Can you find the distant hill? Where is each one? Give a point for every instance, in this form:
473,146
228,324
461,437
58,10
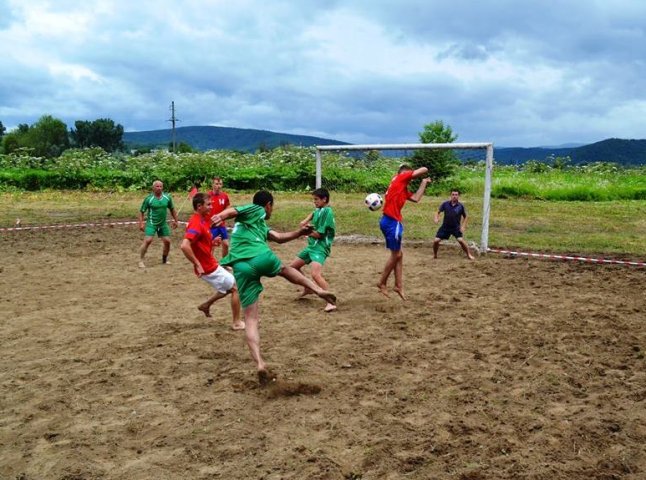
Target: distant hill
222,138
616,150
624,152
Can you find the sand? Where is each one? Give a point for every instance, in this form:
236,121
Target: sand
501,368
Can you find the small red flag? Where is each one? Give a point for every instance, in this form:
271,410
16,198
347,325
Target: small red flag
192,193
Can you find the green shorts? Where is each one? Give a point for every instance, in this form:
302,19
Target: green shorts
248,273
161,230
313,254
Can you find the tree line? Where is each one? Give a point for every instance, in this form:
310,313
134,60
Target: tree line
49,137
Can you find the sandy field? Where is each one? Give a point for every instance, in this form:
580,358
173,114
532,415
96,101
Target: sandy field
501,368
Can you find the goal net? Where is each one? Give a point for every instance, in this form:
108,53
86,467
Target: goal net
375,158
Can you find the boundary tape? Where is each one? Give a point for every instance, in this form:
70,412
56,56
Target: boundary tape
69,225
567,257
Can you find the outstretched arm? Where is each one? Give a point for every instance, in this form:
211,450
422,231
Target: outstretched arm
306,220
219,218
417,196
284,237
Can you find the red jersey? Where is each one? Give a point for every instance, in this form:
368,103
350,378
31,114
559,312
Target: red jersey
397,195
198,231
219,201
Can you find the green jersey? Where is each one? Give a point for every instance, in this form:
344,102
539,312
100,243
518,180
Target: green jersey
155,208
249,234
324,224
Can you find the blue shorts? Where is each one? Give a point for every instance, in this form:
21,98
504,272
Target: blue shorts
393,232
219,232
444,233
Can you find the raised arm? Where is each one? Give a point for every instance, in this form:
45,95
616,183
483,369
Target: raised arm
417,196
420,172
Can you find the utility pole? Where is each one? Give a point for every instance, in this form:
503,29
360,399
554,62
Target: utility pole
173,120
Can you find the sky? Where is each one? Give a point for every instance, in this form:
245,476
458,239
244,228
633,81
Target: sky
519,73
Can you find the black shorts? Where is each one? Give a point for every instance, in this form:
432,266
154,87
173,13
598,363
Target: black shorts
444,233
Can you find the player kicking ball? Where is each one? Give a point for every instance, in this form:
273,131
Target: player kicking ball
196,247
252,259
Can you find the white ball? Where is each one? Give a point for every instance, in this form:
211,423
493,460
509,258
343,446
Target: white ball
374,201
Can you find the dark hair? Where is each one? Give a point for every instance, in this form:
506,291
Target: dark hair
198,200
262,198
322,193
404,167
455,190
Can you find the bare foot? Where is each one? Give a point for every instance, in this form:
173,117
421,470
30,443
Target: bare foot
239,325
328,297
400,292
329,308
142,264
383,289
471,257
265,377
206,309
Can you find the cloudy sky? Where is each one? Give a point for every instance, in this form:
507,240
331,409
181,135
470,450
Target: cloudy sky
515,72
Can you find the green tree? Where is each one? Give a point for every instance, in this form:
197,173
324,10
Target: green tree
47,137
2,130
440,163
102,132
10,142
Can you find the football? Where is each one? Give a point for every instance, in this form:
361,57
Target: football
374,201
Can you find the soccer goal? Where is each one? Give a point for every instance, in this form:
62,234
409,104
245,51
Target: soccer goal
486,148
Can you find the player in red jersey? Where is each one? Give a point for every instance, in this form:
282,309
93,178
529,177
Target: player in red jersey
196,246
219,201
392,227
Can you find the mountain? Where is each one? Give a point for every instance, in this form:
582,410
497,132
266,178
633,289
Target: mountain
624,152
616,150
221,138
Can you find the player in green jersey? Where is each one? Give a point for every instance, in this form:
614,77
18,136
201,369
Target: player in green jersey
251,259
152,220
319,243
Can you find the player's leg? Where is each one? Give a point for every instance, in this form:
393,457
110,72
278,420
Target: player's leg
235,310
436,246
399,276
206,306
465,247
299,262
143,249
297,278
393,233
252,335
165,249
317,276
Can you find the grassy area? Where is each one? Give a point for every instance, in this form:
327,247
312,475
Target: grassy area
614,227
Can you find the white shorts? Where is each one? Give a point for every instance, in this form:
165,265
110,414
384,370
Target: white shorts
220,279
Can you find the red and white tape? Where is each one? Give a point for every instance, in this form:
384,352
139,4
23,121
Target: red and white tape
567,257
67,225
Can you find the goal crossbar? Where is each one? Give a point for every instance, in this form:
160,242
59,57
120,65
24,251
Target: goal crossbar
488,146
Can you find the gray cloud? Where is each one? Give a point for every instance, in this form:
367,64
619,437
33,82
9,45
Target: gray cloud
358,71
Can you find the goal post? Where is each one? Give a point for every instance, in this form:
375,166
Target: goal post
487,146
